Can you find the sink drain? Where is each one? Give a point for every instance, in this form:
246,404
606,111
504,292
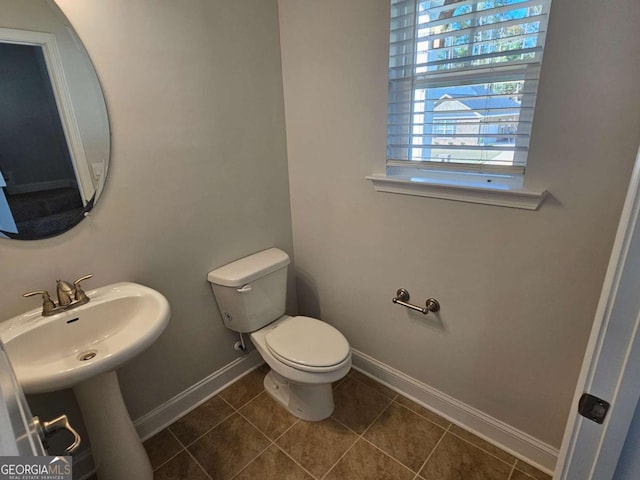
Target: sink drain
83,357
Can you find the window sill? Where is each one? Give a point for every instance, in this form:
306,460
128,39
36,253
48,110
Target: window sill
499,190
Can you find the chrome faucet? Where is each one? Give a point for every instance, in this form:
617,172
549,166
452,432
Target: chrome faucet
69,296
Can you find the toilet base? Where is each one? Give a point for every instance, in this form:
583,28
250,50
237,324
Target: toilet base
308,402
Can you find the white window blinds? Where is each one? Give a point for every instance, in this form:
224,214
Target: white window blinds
463,76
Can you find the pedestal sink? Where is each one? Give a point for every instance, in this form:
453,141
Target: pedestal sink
81,348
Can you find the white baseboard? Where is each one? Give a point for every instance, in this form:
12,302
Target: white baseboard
164,415
508,438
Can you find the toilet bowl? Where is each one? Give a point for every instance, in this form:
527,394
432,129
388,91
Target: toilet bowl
305,354
300,378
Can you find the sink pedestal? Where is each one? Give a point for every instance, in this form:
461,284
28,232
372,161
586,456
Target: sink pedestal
116,448
82,348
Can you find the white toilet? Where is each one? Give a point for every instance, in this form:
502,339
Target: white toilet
305,354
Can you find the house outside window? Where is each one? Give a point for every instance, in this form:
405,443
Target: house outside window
463,76
444,128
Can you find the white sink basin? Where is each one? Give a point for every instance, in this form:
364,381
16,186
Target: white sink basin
57,352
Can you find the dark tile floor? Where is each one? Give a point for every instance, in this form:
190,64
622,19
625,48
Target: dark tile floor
373,434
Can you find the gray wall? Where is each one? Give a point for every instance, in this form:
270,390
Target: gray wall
518,289
198,175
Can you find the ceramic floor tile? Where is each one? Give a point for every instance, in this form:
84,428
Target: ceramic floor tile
371,383
273,464
365,462
455,459
245,389
483,444
266,414
420,410
518,475
338,382
357,405
199,421
182,467
229,447
531,471
161,447
317,446
405,436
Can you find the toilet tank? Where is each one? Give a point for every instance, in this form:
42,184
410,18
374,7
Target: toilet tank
251,292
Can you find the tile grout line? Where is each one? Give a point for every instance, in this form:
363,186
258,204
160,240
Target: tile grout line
393,401
422,416
182,448
158,467
392,397
340,458
390,456
426,460
527,476
513,469
486,451
239,413
361,435
294,460
234,410
372,422
186,450
245,403
199,465
252,460
272,443
298,420
187,445
377,417
222,398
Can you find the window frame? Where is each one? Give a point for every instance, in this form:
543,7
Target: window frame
475,182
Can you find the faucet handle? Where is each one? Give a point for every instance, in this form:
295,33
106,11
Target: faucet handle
79,294
47,304
44,294
82,279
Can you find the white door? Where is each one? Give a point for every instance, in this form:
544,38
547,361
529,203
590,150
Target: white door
611,368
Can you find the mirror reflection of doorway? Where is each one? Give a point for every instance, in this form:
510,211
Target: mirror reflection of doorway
41,188
7,223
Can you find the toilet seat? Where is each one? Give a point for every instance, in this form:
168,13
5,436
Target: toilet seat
308,344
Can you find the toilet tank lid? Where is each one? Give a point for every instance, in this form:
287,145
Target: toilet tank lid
247,269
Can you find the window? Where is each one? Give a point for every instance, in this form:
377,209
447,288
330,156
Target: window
463,77
444,128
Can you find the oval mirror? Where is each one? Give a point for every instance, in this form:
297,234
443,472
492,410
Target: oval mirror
54,129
